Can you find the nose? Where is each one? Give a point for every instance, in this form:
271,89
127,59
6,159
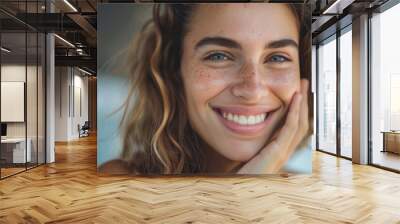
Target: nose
249,86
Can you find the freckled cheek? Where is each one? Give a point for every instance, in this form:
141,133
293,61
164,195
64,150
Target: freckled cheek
210,78
205,83
284,82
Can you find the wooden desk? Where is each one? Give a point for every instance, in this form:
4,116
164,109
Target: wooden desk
13,150
391,141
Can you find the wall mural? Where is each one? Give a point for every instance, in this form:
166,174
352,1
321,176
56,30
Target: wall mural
204,88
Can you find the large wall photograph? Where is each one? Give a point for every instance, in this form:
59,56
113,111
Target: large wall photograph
215,88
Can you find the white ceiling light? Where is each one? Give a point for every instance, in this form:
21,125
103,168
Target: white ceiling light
65,41
337,7
5,50
86,72
70,5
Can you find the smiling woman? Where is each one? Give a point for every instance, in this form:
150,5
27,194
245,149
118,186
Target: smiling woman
217,88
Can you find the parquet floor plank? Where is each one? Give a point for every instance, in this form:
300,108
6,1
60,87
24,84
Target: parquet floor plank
71,191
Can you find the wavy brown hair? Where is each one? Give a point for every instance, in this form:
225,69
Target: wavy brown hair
157,137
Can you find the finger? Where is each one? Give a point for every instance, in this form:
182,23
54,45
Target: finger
288,130
304,105
304,92
304,83
304,119
275,154
276,134
291,128
292,120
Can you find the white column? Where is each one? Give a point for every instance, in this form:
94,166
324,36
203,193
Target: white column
50,93
360,90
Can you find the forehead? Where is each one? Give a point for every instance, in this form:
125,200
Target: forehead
269,21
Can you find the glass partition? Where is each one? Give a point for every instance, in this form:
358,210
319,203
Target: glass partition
385,89
15,151
326,96
22,63
31,100
346,93
41,91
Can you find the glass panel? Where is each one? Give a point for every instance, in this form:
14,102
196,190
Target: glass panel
32,87
385,86
31,100
313,89
13,88
23,88
41,98
327,96
346,94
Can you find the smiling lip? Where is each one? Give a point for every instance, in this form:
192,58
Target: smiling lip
244,120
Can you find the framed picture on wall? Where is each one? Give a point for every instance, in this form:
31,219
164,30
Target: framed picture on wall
12,101
204,88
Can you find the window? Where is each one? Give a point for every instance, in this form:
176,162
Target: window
346,93
326,135
385,89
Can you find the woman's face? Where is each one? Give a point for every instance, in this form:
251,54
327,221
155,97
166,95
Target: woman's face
240,69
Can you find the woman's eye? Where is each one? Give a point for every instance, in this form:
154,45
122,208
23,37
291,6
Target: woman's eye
217,57
278,59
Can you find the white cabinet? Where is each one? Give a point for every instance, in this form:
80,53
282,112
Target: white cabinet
18,149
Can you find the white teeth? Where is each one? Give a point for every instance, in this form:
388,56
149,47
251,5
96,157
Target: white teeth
258,118
251,120
230,116
235,118
242,120
245,120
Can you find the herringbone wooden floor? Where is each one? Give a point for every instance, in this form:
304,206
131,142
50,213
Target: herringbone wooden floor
70,191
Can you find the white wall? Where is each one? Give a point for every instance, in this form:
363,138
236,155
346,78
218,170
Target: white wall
70,83
62,80
79,117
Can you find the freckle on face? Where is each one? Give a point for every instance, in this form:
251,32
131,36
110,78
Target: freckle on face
203,75
284,77
204,78
201,79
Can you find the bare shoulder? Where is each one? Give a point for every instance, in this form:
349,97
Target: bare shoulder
116,166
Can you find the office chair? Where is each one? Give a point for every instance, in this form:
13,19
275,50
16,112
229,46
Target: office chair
84,130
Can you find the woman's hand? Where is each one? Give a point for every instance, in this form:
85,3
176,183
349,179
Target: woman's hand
274,156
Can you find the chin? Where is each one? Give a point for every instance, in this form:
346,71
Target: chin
241,152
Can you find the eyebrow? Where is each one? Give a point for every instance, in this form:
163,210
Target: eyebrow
229,43
221,41
282,43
